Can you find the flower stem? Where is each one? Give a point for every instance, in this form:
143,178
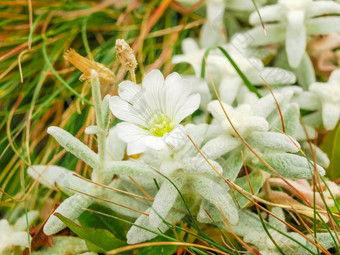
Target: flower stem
100,122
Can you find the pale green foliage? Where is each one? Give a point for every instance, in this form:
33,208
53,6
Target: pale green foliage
252,231
170,167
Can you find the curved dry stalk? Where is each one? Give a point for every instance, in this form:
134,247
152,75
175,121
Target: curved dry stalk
141,245
245,142
108,201
112,188
230,183
277,105
287,224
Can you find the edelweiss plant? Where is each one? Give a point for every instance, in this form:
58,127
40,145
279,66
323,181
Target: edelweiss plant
240,135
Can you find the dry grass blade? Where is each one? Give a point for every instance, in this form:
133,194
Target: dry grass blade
112,188
108,201
247,145
284,222
141,189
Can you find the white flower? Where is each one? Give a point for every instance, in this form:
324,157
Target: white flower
14,237
224,75
329,94
213,32
296,19
242,117
151,111
11,238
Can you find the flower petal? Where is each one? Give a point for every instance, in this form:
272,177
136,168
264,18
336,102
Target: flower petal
335,77
189,45
129,91
330,115
155,142
275,34
153,80
318,8
308,101
176,91
133,135
211,34
305,72
188,107
215,10
275,76
295,37
229,87
323,25
216,110
115,147
125,111
268,13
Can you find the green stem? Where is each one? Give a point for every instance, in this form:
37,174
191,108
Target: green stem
99,117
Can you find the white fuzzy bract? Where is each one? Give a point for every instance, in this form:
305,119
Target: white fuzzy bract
294,20
329,94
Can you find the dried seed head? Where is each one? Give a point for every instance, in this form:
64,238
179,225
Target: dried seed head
105,75
125,55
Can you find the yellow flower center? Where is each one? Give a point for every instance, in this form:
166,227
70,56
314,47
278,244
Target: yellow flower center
160,125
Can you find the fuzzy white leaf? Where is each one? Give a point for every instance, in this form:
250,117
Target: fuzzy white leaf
129,167
90,130
214,213
220,145
305,72
308,101
291,119
278,212
73,145
51,175
274,141
164,200
217,195
70,208
231,165
106,111
290,165
301,133
125,200
199,165
321,157
139,235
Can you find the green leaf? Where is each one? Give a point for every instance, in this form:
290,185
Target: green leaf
256,178
159,250
94,220
97,240
331,145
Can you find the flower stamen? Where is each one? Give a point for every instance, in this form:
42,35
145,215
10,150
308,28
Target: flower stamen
160,125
